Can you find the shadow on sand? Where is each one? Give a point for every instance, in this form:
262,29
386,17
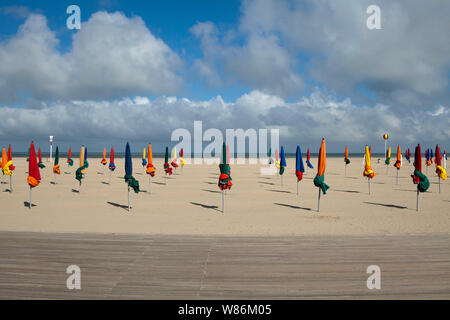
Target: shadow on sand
406,190
349,191
27,204
386,205
118,205
280,191
291,206
206,206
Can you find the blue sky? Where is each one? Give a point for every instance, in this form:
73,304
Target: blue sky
310,68
169,20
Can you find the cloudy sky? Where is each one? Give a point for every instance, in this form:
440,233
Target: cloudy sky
137,71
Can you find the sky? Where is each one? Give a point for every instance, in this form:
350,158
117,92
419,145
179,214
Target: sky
138,70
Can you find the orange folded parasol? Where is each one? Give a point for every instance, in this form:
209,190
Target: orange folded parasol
319,180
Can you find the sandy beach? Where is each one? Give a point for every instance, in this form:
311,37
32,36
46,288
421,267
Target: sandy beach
257,205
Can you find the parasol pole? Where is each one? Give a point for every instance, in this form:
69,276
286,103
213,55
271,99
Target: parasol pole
439,180
79,187
128,198
54,178
29,204
149,183
396,181
109,177
318,202
51,147
297,186
10,184
417,201
281,180
345,170
165,178
368,181
223,200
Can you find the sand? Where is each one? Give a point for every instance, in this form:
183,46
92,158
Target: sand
190,204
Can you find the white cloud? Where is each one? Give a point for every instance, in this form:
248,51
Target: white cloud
111,56
411,52
406,63
305,121
261,62
440,110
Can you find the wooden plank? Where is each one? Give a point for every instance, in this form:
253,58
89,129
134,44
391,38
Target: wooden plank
33,265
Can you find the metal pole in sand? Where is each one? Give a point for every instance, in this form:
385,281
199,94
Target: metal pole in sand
10,184
417,201
128,198
54,178
297,187
345,170
79,187
318,202
223,200
109,177
149,183
29,204
165,178
396,181
281,180
385,155
439,180
368,181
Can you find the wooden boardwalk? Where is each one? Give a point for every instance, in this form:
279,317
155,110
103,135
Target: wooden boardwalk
33,266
